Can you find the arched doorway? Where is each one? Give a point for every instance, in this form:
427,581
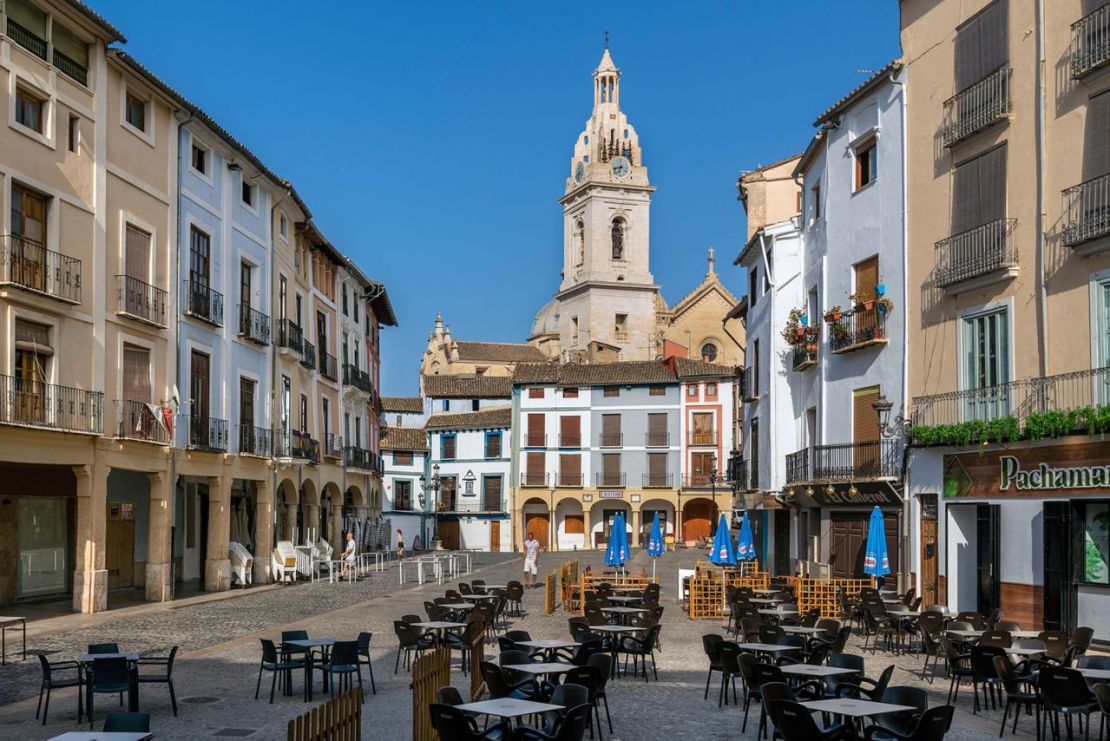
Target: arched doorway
287,511
666,518
570,528
602,515
536,520
697,519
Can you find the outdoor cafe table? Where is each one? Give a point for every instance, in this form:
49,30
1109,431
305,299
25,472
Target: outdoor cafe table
495,586
969,635
764,600
438,626
459,606
1094,674
765,648
854,709
773,611
624,612
625,598
548,646
481,596
547,667
507,707
765,590
103,736
132,676
810,630
11,622
1025,650
308,644
627,588
815,671
615,630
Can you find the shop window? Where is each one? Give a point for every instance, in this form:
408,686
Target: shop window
1095,519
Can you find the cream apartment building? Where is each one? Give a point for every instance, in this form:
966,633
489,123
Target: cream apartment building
1008,190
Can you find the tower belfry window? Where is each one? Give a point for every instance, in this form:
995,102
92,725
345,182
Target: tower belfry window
579,242
618,239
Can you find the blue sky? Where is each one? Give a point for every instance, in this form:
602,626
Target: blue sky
431,139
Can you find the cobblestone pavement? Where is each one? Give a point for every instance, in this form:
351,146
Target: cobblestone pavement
218,663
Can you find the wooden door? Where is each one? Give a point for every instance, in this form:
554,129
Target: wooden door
700,466
28,259
781,559
697,520
988,519
848,534
929,556
119,554
865,434
537,524
33,352
495,536
449,534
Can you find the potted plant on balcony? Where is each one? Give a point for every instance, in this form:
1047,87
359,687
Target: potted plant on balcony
841,335
834,314
811,340
863,300
795,329
885,304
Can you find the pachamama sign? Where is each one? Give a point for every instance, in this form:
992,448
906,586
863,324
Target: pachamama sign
1060,470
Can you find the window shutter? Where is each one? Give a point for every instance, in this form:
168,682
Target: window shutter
535,424
137,257
610,424
981,45
33,338
965,197
611,466
535,463
492,494
992,184
570,468
136,374
1096,155
865,420
657,465
657,425
867,277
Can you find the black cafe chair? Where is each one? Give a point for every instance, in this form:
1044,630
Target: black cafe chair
106,677
931,726
1020,691
452,724
127,723
794,722
1064,692
343,662
364,657
51,681
276,664
160,677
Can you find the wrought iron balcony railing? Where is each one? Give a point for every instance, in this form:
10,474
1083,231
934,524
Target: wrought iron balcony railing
71,67
568,479
254,325
135,298
256,441
704,481
533,478
329,366
749,384
738,473
609,479
308,354
29,403
27,39
802,357
360,458
205,433
359,379
290,335
875,459
858,329
702,438
1087,209
333,445
296,444
611,440
977,107
204,303
141,421
976,252
1090,42
658,480
28,264
657,439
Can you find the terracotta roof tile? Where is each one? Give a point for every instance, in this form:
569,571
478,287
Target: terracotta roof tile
498,352
595,374
404,438
403,404
468,387
687,368
491,417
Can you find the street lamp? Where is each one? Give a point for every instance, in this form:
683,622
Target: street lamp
431,486
901,426
713,479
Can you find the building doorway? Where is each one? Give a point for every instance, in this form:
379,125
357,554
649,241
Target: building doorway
930,593
537,524
119,553
697,519
988,519
495,536
449,534
1060,602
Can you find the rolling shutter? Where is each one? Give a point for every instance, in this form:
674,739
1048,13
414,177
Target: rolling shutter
136,374
1096,155
867,277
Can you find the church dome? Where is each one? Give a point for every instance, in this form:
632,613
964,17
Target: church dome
546,321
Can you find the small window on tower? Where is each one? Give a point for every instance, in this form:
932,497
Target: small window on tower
621,328
579,242
618,238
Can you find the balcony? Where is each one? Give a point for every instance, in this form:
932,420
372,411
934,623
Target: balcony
609,480
657,439
803,356
299,445
570,440
290,336
359,379
978,257
658,480
359,458
703,481
874,459
140,300
568,479
1090,42
71,68
27,39
329,366
46,405
749,384
535,440
1087,214
333,445
620,336
254,326
738,473
308,355
533,478
141,421
256,441
858,329
975,108
203,303
702,438
206,433
29,265
611,440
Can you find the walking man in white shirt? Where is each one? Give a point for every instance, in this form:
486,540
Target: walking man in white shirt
531,561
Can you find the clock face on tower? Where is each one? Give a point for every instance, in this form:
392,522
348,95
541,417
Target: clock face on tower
579,172
621,167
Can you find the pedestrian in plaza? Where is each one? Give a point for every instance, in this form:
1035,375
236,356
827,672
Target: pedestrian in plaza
400,544
349,554
531,561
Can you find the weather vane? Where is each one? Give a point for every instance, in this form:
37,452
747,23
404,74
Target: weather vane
607,38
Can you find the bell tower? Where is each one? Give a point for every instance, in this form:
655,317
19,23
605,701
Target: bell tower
607,294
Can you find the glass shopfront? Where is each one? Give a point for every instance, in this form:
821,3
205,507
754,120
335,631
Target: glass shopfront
44,558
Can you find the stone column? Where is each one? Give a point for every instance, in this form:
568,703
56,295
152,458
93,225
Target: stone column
311,526
159,579
217,565
263,530
637,529
90,577
587,536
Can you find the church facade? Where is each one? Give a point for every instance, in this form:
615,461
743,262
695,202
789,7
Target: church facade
608,306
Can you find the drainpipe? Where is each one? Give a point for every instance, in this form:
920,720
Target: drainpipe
273,371
1042,289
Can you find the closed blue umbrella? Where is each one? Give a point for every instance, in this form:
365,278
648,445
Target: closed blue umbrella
615,552
745,548
655,545
722,553
875,560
